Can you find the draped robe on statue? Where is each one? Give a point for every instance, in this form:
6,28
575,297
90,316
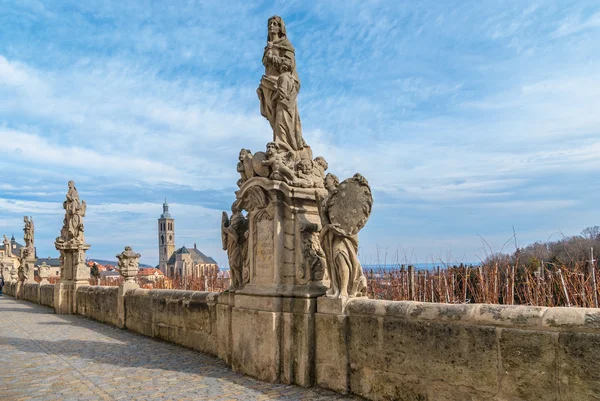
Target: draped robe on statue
278,95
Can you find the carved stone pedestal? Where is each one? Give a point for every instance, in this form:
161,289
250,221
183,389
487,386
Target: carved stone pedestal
25,275
74,274
272,319
284,257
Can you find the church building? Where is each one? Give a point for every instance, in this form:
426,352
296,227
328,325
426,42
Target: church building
183,262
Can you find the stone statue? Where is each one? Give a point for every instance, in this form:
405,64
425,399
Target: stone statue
279,169
6,244
244,166
72,230
234,236
279,88
44,272
28,237
343,213
319,166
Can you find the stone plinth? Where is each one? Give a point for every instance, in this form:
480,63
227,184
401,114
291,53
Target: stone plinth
74,274
282,237
272,319
44,272
128,267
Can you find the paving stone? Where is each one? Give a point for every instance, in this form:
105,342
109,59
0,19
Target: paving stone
63,357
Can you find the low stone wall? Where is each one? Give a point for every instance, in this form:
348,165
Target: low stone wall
98,303
47,295
188,318
31,292
10,288
380,350
386,350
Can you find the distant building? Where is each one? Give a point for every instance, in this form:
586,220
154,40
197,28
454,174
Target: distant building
110,275
53,263
191,262
150,275
182,262
9,253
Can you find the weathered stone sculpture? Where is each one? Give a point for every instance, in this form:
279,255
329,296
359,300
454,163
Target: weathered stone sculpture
5,270
234,233
129,264
6,244
13,274
28,234
279,268
279,88
44,272
72,247
343,213
26,257
244,166
72,231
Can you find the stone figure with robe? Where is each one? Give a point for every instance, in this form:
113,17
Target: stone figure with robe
233,236
279,88
74,213
340,248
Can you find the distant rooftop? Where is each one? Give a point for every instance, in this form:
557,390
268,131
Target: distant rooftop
196,255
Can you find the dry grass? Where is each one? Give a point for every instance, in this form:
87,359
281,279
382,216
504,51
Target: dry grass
505,284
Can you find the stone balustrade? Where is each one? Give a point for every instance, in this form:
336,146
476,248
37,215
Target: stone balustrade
379,350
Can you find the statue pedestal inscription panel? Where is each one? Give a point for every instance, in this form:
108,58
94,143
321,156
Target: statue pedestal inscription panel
282,256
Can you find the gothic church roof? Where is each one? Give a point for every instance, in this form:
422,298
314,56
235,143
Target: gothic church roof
195,254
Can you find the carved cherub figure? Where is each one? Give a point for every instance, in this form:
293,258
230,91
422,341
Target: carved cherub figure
319,166
304,172
278,166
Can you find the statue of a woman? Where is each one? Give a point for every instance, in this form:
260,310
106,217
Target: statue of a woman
341,249
279,88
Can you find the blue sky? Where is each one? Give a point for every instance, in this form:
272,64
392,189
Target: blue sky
467,117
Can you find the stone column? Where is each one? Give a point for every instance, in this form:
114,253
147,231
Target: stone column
72,247
272,320
74,274
129,268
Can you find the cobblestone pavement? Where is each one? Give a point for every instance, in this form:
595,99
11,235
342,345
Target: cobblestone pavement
44,356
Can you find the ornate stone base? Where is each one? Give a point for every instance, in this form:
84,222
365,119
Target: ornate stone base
272,338
25,274
284,256
74,274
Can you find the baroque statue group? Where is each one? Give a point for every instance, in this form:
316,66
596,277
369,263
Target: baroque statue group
316,217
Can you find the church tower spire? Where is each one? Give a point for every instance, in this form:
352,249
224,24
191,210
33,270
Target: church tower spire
166,238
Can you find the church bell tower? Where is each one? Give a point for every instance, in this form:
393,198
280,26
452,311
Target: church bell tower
166,238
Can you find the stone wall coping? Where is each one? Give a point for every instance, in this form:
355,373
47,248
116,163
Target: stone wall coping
514,316
98,288
185,296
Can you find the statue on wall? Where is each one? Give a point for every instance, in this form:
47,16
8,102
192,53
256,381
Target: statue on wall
128,264
279,88
234,232
28,237
72,230
344,212
6,243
